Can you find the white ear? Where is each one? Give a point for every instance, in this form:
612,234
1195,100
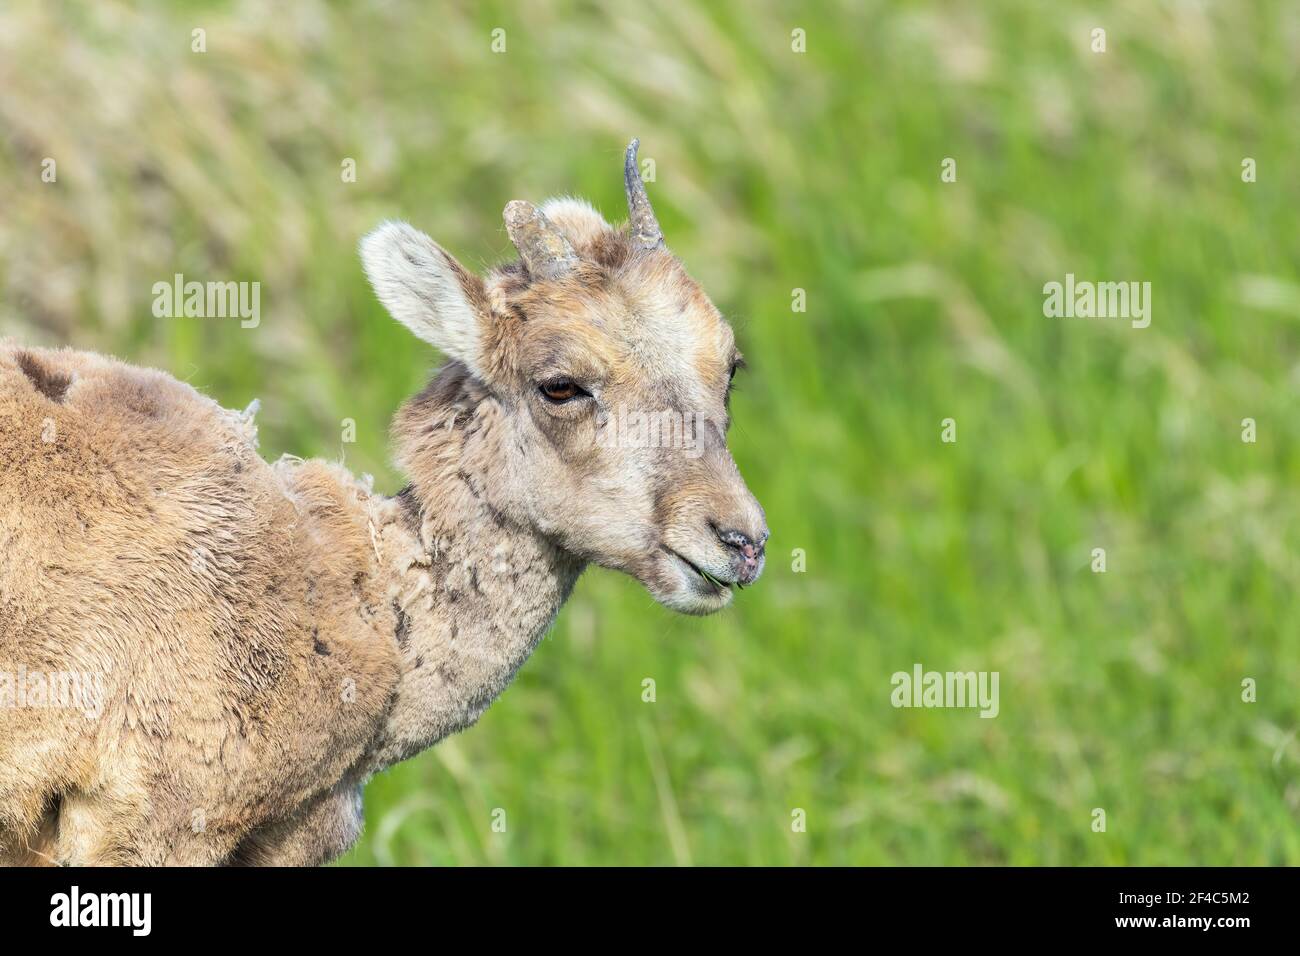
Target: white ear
426,289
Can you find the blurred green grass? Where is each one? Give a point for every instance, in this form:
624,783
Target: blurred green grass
775,171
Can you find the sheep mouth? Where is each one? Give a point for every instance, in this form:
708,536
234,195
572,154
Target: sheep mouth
711,583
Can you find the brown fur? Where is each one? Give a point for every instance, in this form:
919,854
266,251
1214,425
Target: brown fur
269,636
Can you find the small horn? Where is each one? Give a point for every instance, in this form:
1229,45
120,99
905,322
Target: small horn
641,215
543,248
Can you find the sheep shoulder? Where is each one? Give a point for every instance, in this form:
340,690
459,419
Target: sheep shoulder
234,612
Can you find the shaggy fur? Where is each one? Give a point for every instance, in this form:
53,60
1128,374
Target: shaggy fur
269,636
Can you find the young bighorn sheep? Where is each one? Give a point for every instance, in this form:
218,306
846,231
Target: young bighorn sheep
252,642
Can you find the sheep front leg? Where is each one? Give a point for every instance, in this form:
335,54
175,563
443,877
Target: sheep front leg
123,827
30,849
321,831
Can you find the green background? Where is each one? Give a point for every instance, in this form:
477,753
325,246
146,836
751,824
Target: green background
775,170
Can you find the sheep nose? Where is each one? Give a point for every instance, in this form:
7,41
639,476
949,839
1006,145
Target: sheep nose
748,551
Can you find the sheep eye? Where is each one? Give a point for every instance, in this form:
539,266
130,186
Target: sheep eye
561,390
736,365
